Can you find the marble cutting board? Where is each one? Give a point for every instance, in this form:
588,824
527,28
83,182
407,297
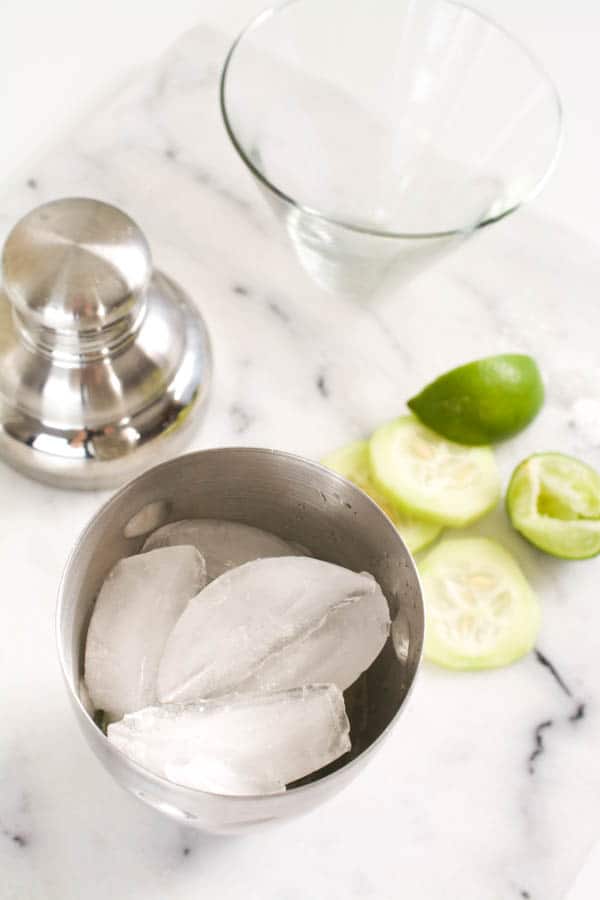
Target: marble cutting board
488,789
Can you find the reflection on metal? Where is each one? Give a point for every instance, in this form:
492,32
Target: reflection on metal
104,361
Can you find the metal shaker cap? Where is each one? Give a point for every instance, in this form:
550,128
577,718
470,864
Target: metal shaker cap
104,361
76,265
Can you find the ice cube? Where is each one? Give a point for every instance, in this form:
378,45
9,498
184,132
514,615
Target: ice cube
279,622
343,645
138,605
239,743
224,545
146,519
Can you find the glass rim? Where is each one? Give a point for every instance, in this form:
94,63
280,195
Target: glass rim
277,8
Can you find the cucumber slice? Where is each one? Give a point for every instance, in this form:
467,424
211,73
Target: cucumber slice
430,477
352,462
553,500
481,612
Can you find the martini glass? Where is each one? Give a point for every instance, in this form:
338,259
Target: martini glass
383,134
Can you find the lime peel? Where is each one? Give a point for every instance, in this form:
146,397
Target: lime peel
553,500
484,401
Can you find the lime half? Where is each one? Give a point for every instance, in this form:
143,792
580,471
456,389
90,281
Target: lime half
430,477
484,401
481,612
554,501
352,462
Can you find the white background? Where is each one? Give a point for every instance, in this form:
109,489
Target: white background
57,59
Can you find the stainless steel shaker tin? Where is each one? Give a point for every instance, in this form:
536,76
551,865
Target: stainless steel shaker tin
302,502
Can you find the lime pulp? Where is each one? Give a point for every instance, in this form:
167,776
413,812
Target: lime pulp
553,500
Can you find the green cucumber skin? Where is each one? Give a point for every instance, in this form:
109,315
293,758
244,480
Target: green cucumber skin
336,461
453,521
529,612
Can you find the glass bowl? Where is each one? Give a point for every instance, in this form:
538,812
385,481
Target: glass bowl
385,133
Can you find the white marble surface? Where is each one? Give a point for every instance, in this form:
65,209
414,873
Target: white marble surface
488,788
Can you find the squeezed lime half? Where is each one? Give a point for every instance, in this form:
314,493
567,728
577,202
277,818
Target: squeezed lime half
484,401
553,500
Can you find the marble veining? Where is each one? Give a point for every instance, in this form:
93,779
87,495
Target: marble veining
578,712
488,788
323,385
544,661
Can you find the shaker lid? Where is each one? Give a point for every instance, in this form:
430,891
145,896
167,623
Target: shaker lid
105,362
76,264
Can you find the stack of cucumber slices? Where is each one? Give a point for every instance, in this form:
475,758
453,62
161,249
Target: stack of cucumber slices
434,469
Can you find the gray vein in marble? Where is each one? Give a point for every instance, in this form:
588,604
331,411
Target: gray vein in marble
195,77
579,713
241,419
276,308
197,172
17,837
169,151
544,661
580,707
94,160
575,716
200,175
16,822
323,385
539,743
208,180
